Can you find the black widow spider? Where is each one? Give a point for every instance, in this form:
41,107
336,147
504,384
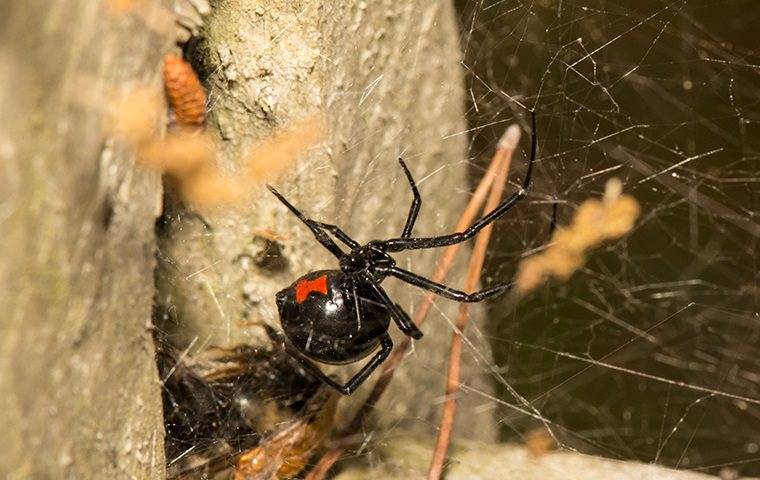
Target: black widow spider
341,316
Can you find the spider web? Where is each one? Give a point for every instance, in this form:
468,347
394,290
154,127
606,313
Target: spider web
649,352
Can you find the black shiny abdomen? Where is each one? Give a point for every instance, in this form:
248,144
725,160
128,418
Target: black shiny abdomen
324,326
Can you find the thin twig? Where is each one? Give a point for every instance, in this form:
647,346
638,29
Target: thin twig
389,367
477,258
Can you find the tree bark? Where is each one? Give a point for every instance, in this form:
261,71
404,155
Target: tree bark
80,392
409,458
385,76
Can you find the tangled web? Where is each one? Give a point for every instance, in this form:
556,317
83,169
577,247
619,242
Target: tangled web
649,352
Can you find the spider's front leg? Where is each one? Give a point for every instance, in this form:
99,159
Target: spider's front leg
337,233
320,235
443,290
415,243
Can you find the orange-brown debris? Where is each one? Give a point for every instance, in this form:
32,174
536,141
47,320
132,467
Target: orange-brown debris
275,154
123,6
594,222
539,442
286,453
189,155
185,92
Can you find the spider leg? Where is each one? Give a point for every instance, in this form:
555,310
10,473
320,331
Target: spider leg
443,290
404,323
414,209
410,243
553,224
386,345
320,235
338,233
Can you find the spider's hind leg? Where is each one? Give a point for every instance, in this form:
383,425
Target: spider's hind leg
338,233
404,323
386,345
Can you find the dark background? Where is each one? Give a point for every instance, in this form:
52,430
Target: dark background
630,89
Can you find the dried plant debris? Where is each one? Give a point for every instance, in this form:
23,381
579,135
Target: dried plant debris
539,442
189,156
285,453
246,406
594,222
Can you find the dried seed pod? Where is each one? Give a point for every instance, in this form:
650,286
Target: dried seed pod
186,95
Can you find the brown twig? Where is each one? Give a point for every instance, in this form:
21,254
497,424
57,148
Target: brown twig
389,367
507,144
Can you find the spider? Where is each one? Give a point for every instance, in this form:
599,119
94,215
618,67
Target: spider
341,316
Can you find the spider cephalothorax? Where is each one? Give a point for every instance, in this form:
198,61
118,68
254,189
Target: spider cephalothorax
366,258
341,316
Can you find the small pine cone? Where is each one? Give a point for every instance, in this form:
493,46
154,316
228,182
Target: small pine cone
186,95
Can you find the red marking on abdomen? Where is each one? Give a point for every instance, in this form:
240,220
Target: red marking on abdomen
305,287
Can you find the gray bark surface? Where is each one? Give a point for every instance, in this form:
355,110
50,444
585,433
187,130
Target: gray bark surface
409,458
80,395
386,77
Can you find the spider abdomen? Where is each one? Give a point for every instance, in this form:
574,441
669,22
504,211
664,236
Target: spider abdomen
318,315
